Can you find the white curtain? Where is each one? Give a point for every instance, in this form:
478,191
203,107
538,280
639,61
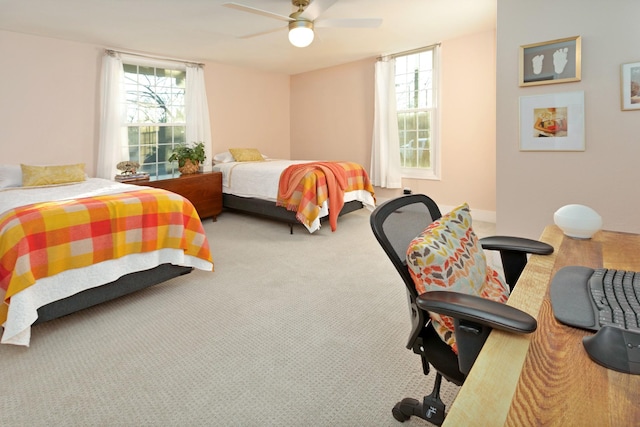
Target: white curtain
385,150
197,111
112,130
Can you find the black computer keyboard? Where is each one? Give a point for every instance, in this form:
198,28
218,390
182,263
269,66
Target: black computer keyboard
592,298
616,295
606,301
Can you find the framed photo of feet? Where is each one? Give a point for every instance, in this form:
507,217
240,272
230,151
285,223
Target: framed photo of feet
555,61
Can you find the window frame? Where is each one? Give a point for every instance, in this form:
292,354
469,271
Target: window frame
434,172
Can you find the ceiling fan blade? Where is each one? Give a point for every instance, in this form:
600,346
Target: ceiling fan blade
262,33
257,11
348,23
316,7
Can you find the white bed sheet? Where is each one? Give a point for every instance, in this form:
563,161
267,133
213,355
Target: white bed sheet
261,180
13,197
24,305
254,179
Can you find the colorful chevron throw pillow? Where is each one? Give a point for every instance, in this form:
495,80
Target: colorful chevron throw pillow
448,256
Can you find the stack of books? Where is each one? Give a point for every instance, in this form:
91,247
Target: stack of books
140,176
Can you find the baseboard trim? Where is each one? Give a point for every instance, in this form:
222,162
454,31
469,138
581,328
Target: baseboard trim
476,214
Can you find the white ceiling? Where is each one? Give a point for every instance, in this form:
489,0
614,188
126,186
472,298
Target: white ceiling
204,30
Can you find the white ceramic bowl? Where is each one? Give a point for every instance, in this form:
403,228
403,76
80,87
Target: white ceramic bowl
578,221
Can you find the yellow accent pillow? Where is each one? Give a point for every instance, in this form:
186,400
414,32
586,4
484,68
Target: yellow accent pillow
49,175
246,154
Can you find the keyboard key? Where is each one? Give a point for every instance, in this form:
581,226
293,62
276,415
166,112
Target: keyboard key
616,295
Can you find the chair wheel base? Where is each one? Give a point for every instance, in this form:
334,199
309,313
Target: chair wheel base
431,409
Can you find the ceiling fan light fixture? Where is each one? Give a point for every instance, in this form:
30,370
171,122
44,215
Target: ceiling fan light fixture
301,32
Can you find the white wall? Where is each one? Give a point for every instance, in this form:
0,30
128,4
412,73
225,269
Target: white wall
332,113
249,109
468,108
332,118
531,186
49,103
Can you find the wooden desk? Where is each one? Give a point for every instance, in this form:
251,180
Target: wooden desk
546,378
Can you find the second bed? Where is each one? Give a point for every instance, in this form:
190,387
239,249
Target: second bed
254,187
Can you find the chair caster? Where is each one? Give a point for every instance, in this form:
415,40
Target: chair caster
405,409
398,414
432,409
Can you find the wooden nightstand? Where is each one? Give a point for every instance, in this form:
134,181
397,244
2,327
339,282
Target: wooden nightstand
204,190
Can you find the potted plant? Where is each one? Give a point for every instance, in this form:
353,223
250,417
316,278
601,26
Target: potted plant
189,157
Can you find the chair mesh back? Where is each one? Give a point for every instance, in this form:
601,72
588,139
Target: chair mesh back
404,224
396,222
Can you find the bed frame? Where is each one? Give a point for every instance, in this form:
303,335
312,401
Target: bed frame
125,285
268,209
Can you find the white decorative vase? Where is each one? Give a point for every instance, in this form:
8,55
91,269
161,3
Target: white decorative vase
578,221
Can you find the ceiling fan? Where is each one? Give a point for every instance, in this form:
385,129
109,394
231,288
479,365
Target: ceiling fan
303,21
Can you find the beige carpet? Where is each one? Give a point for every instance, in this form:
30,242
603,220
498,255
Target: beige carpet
290,330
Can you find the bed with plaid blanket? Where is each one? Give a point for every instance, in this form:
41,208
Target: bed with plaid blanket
305,187
46,239
254,187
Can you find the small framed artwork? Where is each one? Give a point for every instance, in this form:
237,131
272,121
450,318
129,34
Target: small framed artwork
630,86
553,122
556,61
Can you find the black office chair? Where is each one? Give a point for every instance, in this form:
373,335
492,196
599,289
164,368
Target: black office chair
395,224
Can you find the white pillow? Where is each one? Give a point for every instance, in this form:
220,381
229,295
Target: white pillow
10,176
225,157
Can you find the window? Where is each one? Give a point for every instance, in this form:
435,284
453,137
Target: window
416,102
155,115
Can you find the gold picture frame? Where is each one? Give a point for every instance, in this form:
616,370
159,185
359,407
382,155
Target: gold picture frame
630,86
555,61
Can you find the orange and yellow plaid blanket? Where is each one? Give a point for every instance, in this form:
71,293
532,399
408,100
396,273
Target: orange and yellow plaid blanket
43,239
305,187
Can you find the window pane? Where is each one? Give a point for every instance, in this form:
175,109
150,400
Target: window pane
424,159
179,135
401,123
421,117
165,135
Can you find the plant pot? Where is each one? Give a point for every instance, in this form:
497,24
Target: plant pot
189,167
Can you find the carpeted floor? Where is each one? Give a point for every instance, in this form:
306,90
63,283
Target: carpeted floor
290,330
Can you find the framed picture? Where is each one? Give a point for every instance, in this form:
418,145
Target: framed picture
630,86
553,122
556,61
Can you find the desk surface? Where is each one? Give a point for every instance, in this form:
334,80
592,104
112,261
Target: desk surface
546,378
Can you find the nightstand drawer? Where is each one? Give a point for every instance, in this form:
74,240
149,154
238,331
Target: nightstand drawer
204,190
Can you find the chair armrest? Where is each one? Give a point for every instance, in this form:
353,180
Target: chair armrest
514,252
516,244
477,310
